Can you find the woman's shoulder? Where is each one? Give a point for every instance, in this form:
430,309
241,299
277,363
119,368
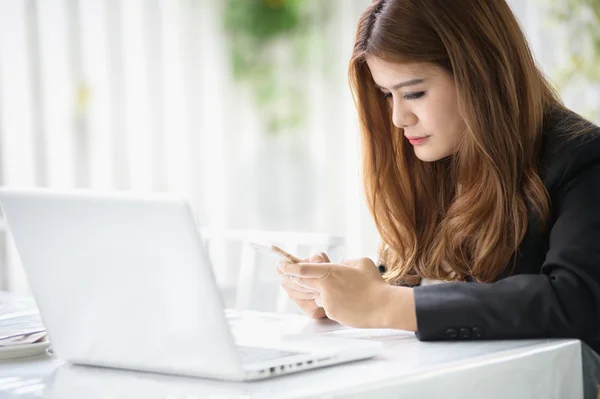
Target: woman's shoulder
570,145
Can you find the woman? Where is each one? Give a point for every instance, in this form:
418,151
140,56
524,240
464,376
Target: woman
476,175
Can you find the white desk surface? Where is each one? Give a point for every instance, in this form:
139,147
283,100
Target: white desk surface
407,369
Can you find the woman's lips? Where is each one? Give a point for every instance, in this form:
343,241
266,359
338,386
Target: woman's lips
417,140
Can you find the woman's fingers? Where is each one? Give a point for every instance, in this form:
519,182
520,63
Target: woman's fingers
321,257
295,295
318,301
310,308
288,283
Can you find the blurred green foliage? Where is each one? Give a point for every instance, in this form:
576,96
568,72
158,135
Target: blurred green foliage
268,44
263,19
582,62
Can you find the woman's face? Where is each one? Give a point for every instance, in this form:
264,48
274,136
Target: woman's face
424,103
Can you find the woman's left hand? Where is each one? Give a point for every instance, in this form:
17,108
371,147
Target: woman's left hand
352,292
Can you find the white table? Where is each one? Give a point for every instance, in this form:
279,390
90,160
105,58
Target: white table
409,369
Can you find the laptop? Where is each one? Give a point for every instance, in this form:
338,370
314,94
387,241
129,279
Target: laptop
124,281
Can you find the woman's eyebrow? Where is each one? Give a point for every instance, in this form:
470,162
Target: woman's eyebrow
412,82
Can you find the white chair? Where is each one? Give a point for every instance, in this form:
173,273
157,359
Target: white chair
299,244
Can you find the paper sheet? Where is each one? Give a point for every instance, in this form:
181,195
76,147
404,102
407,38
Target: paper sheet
21,327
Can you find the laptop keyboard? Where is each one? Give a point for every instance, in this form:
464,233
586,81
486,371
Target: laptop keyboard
256,354
253,354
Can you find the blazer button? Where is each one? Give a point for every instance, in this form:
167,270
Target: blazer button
477,332
464,333
451,333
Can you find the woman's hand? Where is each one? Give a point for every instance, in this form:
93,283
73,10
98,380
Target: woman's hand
353,293
303,296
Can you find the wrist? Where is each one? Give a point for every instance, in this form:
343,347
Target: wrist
398,308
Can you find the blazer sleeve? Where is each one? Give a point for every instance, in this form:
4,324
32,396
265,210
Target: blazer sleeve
563,300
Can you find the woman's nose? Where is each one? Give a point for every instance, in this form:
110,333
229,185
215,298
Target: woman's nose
403,117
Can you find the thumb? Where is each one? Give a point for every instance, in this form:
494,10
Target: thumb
319,258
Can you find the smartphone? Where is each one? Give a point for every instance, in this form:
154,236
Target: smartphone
280,253
275,250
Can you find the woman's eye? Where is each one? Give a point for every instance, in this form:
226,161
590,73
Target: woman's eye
387,95
414,96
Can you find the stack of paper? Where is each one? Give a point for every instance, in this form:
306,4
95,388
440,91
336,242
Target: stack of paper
20,328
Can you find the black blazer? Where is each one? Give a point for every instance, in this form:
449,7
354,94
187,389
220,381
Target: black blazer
554,289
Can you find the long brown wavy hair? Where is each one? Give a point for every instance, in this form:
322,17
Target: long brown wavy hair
429,227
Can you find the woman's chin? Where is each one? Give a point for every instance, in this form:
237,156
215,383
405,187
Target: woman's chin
427,156
427,153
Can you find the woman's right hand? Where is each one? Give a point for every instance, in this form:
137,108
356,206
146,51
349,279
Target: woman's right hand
305,297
